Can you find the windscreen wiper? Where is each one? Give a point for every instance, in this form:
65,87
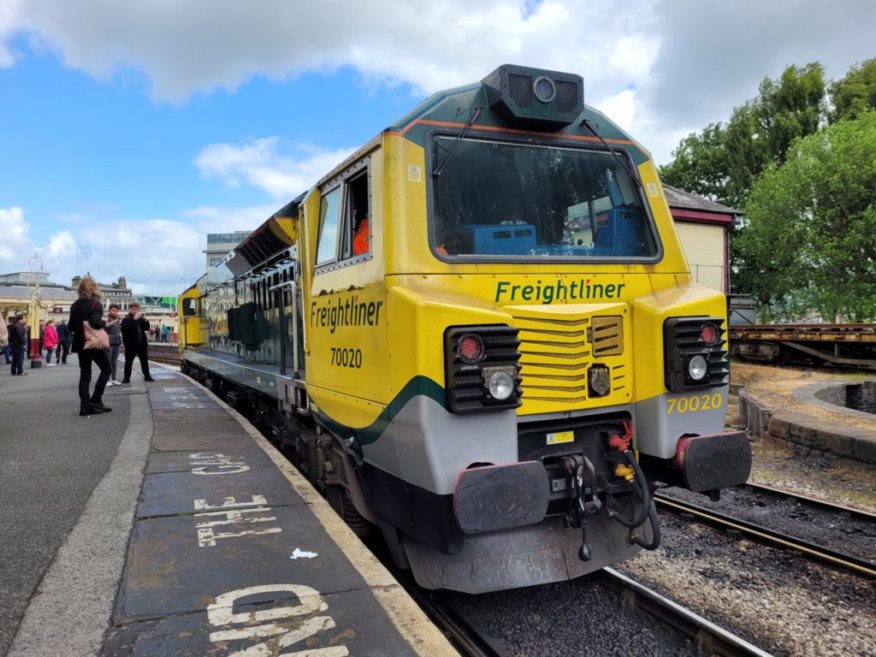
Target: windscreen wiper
439,167
623,161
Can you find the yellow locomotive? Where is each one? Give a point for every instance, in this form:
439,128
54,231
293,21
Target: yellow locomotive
479,334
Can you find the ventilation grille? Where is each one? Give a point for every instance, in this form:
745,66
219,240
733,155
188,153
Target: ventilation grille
567,96
607,336
557,347
520,90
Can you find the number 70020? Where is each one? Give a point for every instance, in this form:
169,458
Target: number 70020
695,403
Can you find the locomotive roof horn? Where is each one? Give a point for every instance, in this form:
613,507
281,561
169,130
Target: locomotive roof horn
535,98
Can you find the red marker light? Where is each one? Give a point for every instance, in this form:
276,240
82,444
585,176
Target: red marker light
709,334
470,348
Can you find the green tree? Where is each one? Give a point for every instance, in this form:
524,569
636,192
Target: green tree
809,241
699,163
723,161
855,93
787,109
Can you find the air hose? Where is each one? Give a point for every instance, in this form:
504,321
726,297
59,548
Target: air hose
640,486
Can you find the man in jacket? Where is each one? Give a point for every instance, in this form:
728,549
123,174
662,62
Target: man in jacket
135,328
64,338
18,341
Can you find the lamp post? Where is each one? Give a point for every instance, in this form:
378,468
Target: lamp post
33,319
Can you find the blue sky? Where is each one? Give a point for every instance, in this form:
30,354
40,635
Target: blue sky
128,130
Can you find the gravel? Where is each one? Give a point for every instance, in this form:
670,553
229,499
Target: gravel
793,517
580,618
775,599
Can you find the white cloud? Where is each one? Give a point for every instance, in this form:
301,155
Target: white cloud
205,45
621,108
10,21
229,220
688,62
259,163
14,241
155,255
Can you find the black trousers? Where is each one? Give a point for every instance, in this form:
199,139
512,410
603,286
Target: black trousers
17,359
64,350
139,352
101,359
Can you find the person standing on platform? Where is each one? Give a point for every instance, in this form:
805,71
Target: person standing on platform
87,308
4,340
17,342
114,330
63,342
135,328
50,342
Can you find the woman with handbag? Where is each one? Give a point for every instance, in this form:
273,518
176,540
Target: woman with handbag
91,344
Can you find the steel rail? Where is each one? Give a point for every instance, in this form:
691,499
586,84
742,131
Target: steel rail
465,636
853,513
771,537
707,635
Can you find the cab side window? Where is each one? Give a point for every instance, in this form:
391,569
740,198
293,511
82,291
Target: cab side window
329,214
345,221
357,234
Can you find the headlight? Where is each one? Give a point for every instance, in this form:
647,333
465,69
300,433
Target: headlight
697,368
500,383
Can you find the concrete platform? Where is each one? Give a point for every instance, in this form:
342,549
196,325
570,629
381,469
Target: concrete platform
201,539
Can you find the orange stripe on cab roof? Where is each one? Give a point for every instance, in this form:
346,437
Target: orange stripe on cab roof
491,128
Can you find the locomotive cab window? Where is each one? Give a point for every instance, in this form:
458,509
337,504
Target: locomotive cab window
514,200
329,215
345,222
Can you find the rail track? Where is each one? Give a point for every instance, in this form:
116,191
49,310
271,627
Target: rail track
164,353
709,638
472,641
766,535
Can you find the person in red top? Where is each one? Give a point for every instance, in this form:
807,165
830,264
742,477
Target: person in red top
361,240
50,341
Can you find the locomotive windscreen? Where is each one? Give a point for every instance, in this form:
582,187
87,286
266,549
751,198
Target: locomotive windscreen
504,199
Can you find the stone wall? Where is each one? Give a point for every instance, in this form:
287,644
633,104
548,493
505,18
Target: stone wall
806,434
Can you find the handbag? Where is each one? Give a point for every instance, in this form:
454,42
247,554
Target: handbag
95,338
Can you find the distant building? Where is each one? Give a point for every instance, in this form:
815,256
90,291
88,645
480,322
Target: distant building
17,291
703,227
25,278
112,292
220,245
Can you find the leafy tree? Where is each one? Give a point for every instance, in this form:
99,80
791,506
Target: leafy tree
789,108
699,163
723,161
855,93
811,221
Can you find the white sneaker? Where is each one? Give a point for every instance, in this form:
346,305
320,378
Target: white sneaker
50,364
113,382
